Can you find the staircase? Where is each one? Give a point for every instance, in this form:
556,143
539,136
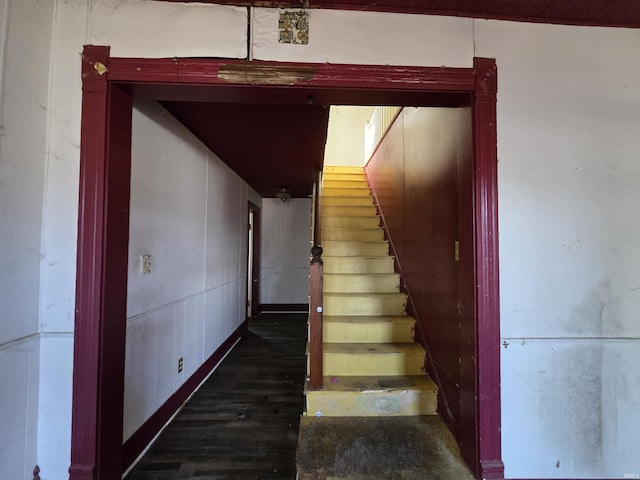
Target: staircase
375,416
372,366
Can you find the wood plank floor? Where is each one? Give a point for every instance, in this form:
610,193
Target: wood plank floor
243,422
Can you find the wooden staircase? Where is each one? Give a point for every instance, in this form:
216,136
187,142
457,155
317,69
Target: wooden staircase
371,364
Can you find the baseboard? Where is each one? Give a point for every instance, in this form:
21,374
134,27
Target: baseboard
137,443
283,307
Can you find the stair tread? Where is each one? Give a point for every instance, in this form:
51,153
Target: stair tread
375,384
411,348
367,294
378,275
368,319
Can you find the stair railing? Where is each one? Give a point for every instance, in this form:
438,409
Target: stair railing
315,292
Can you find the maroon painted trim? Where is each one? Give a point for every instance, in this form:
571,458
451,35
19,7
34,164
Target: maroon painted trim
255,267
487,272
103,237
284,307
136,444
101,305
318,75
394,6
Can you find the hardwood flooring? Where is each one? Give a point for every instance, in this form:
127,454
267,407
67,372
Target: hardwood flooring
243,422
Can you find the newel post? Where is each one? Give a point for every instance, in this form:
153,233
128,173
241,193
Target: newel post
315,319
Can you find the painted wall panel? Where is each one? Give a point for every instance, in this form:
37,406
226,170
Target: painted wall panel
567,165
60,226
54,406
168,172
424,148
368,38
26,33
19,378
345,135
170,29
285,251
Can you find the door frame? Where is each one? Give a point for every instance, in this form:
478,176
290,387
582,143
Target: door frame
253,270
109,84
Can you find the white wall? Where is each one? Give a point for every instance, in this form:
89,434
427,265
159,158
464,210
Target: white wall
25,35
568,133
189,212
285,250
569,180
345,135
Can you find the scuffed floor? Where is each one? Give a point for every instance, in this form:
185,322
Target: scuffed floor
378,448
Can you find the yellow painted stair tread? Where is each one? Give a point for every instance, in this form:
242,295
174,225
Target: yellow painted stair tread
368,319
373,384
373,348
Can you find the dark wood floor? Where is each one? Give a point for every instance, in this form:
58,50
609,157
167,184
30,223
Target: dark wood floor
243,422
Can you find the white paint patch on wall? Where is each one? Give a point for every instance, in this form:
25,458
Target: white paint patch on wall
188,211
338,36
345,135
168,29
285,250
568,137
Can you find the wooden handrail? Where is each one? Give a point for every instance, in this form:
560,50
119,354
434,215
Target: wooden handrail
315,294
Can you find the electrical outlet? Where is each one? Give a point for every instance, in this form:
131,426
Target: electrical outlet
180,364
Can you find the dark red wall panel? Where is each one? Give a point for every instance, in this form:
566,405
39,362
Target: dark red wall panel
421,176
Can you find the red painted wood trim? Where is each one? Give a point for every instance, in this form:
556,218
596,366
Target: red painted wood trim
101,285
487,276
255,267
264,73
395,6
136,444
99,337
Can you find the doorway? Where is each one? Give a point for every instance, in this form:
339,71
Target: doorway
103,224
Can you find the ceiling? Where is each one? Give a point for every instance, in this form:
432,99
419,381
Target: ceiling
270,146
277,141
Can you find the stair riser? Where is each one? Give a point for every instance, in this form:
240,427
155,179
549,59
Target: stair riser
365,249
355,183
358,264
350,222
370,305
350,234
361,283
345,192
347,201
373,404
351,177
349,211
388,332
337,364
342,169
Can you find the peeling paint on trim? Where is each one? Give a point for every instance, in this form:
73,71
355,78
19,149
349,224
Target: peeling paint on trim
265,74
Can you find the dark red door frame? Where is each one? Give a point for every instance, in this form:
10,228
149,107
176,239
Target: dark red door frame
254,268
105,159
